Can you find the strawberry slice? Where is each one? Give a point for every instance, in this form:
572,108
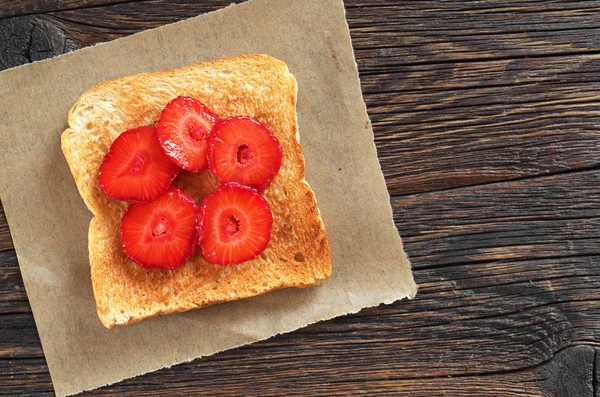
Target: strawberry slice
245,151
161,234
135,168
183,129
235,224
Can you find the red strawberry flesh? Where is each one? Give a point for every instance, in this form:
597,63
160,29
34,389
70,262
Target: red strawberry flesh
161,234
245,151
135,168
183,129
235,224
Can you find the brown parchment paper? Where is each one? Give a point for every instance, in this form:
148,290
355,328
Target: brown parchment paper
49,221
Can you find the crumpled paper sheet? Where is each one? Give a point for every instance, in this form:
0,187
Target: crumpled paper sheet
49,220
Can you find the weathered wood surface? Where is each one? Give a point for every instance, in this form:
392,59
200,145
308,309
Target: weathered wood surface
486,123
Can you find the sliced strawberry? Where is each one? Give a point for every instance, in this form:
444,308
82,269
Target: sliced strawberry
135,168
235,224
161,234
245,151
183,129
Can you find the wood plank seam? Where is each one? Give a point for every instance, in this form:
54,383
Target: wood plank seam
595,167
582,52
103,4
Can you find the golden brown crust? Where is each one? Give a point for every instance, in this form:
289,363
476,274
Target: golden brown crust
254,85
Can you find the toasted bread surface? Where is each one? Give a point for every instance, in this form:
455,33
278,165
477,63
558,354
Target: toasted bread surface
253,85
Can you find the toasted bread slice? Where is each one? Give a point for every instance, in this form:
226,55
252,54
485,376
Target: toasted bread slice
254,85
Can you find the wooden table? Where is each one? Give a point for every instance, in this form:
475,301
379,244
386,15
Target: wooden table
487,122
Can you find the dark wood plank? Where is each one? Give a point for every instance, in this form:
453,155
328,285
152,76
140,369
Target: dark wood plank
26,377
20,339
443,126
185,380
572,363
562,378
31,38
549,217
414,34
13,298
477,77
5,237
596,376
15,8
88,26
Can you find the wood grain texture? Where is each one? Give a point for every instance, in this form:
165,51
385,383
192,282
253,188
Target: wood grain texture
486,124
31,38
13,298
565,379
5,237
552,217
507,119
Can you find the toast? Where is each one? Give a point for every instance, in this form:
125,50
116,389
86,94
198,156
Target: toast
254,85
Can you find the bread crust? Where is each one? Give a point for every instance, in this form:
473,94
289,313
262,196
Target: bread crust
258,86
